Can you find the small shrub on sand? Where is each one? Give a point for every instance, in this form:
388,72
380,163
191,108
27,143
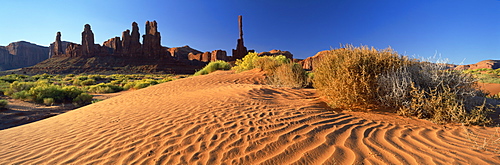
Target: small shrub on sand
362,77
213,66
280,71
105,88
48,101
3,103
289,75
83,99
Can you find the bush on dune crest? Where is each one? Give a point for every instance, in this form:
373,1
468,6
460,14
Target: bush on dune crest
280,71
213,66
362,77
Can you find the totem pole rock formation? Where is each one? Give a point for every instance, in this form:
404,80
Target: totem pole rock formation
241,50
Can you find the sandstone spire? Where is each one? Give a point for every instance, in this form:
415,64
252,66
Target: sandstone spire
241,51
87,41
58,49
151,40
135,45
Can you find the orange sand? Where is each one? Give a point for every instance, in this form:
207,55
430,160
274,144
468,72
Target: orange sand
492,88
230,118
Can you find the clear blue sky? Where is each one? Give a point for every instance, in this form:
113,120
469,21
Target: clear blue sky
465,31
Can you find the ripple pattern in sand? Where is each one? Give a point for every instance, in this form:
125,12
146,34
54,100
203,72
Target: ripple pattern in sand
219,119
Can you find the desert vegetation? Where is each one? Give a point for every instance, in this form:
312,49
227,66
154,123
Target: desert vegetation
367,78
280,71
53,89
3,103
485,75
213,66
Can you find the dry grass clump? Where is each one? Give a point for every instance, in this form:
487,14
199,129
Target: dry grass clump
288,75
347,77
362,77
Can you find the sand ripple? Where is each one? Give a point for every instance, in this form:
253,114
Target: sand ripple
226,118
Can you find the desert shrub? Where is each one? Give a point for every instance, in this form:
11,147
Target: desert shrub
58,93
213,66
23,95
3,103
96,77
83,99
140,85
48,101
347,77
246,63
87,82
360,77
129,85
288,75
105,88
270,63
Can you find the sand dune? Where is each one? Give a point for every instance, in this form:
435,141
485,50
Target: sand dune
226,118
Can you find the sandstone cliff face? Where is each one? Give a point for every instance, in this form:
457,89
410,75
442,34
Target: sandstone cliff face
308,63
21,54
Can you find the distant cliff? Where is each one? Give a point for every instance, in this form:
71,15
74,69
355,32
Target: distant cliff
21,54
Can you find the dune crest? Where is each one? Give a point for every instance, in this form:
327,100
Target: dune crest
232,118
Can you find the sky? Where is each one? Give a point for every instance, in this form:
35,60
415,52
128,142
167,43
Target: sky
462,31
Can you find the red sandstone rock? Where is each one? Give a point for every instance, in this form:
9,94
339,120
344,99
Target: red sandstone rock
113,46
240,51
308,63
219,55
487,64
135,45
273,52
58,49
151,40
22,54
87,41
205,57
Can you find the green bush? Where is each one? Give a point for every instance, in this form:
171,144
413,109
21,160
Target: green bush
246,63
213,66
252,60
360,77
87,82
3,103
105,88
83,99
17,86
48,101
22,95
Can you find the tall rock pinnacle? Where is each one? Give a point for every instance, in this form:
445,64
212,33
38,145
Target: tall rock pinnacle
241,51
58,49
240,25
87,41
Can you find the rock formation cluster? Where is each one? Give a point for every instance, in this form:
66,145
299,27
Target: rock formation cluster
126,46
130,46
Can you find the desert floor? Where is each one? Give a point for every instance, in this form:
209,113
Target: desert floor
232,118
